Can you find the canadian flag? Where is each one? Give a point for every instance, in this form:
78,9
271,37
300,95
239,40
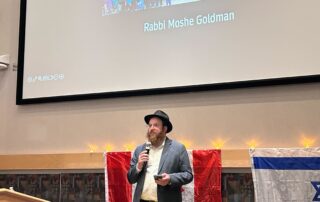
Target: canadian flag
205,187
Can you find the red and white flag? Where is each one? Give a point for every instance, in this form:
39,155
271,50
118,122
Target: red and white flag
205,187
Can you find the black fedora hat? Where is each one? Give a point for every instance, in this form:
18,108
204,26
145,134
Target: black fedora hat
161,115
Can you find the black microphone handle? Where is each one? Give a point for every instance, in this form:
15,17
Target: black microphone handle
146,162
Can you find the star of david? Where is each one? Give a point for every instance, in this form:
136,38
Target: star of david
316,185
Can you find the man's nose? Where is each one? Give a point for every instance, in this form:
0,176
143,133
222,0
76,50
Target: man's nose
152,127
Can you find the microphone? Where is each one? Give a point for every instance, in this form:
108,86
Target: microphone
148,146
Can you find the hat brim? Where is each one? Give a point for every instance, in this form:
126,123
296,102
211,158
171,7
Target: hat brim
165,122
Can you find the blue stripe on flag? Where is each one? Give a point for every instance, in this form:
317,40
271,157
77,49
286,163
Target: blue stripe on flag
287,163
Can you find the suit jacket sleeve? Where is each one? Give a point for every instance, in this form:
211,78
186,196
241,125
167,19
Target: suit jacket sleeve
133,175
184,174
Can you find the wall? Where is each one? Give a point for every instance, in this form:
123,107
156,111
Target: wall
274,116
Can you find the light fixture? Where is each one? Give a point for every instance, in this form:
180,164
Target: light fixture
4,61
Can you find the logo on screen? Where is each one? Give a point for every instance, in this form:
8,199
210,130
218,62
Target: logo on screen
45,77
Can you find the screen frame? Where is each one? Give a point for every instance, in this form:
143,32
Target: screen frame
144,92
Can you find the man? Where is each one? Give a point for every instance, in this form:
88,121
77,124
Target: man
166,158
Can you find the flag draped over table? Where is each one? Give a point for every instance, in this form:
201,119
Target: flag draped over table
205,187
286,174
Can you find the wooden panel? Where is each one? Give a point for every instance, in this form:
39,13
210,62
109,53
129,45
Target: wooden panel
235,158
52,161
230,159
7,195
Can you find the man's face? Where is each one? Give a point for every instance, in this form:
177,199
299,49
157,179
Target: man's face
156,131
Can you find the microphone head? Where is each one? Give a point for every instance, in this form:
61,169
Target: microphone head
148,146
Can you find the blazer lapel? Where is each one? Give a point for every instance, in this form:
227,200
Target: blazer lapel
164,154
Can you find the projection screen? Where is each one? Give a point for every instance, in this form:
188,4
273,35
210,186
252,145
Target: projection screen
79,49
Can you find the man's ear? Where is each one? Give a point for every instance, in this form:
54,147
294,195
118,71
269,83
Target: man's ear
165,129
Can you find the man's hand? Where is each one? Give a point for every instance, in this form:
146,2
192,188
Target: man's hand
164,180
143,157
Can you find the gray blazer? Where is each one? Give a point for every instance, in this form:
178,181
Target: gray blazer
174,161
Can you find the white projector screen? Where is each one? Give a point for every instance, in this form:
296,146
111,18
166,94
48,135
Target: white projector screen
115,48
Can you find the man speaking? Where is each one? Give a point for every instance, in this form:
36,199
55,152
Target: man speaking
162,169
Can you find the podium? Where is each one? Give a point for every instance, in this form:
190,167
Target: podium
7,195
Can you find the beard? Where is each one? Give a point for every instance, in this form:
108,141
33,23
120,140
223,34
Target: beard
152,137
155,138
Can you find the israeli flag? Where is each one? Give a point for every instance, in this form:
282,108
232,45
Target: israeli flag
286,174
